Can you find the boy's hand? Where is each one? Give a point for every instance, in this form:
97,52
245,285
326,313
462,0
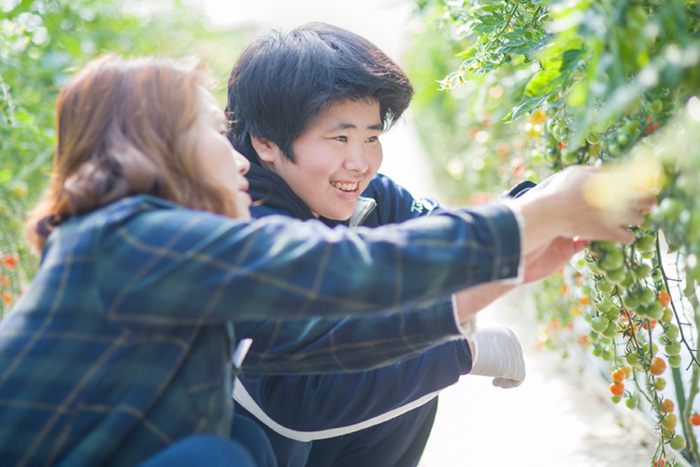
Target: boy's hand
548,259
497,353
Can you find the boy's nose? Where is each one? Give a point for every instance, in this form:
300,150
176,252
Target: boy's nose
357,160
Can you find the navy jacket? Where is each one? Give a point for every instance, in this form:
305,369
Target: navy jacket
310,407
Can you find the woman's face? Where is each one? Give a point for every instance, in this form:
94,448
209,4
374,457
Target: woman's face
220,162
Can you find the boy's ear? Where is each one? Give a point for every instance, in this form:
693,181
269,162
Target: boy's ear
267,150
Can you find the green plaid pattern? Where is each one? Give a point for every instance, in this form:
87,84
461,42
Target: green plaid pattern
121,345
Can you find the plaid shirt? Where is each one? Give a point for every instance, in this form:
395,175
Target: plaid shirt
121,345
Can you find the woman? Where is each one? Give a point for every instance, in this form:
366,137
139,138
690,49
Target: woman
120,349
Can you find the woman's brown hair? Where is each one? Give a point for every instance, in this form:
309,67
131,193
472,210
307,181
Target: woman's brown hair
126,127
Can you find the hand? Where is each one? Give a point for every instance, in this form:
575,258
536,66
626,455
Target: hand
548,259
563,207
497,353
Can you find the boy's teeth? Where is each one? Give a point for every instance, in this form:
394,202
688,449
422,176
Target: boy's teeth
345,186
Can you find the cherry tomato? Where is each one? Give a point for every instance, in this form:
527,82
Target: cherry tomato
7,297
671,332
663,298
10,261
657,366
677,442
659,384
617,389
667,406
669,421
619,375
694,419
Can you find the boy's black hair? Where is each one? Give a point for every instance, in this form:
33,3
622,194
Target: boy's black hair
283,80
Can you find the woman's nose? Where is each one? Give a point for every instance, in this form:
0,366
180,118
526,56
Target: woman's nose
242,162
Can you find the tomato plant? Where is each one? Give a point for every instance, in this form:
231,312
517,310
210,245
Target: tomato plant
607,83
41,43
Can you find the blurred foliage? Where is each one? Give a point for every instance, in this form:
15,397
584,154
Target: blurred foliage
42,42
541,85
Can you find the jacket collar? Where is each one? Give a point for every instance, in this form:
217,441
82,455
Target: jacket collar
269,189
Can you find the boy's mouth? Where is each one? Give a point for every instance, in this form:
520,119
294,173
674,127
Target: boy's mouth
346,186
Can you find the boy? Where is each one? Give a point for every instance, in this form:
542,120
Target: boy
307,109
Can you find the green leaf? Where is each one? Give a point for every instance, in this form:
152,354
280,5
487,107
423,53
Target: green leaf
527,105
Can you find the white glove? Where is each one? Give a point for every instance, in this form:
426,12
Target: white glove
497,353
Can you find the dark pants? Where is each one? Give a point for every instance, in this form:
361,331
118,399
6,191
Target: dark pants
395,443
209,450
398,442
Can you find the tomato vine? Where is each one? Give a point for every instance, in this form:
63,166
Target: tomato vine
610,83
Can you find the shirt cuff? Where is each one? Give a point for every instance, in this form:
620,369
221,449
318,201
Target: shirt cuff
464,356
466,329
520,221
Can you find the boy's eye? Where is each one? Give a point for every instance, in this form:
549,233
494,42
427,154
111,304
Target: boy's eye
342,139
373,139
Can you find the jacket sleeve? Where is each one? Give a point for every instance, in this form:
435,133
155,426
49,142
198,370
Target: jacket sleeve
302,346
190,267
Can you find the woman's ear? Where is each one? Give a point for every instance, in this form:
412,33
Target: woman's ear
268,151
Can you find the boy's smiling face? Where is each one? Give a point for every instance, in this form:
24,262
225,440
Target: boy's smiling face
335,158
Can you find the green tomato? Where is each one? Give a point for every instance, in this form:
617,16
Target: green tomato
654,311
654,349
569,158
622,138
631,126
677,442
648,222
667,317
630,300
656,106
674,361
599,323
593,138
596,269
671,209
614,149
605,305
613,313
669,421
659,384
551,155
604,285
632,359
615,399
631,402
672,349
617,276
646,242
611,330
647,296
671,332
612,260
641,270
